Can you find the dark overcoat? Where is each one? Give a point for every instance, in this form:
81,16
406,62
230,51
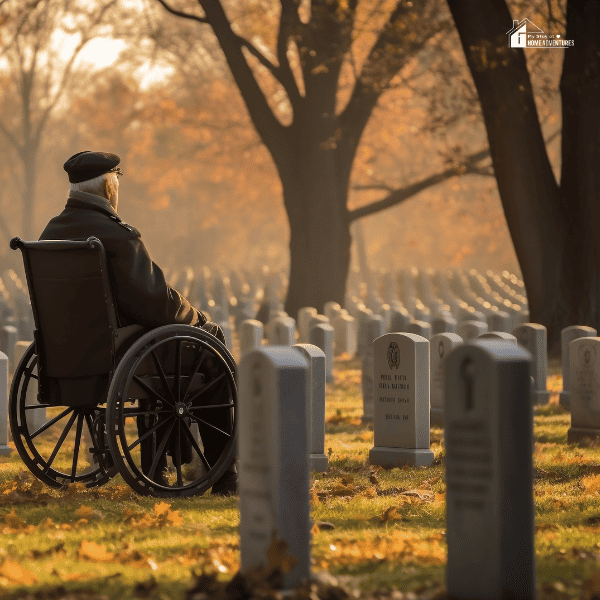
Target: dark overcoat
141,293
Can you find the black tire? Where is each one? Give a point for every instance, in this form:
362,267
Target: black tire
203,382
65,461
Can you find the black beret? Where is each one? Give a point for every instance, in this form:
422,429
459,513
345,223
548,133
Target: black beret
87,165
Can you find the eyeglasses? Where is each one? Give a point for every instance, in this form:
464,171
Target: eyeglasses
117,171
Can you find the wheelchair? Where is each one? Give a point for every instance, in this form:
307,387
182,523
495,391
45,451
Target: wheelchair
90,400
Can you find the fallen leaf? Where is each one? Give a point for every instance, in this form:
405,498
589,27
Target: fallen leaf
15,573
94,552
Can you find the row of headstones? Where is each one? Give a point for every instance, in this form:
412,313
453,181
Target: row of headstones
489,466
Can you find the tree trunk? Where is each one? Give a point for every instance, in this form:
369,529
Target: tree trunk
528,190
320,232
580,177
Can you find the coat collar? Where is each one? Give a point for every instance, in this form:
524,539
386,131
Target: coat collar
92,201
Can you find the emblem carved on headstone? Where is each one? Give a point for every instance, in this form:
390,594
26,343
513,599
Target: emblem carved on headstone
587,355
393,355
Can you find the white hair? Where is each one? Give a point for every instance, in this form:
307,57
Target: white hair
97,185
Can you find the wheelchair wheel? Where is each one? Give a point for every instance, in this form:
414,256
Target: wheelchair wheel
57,443
171,412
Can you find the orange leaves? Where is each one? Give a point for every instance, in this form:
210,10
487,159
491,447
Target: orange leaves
591,484
94,552
13,524
395,545
163,515
11,572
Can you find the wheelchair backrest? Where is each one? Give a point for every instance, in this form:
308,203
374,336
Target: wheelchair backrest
72,304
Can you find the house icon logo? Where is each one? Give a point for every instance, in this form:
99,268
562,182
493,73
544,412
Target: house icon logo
518,35
525,34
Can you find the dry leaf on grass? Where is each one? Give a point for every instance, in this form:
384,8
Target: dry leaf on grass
13,524
14,573
94,552
163,515
591,484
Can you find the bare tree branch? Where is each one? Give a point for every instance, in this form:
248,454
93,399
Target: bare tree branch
184,15
468,167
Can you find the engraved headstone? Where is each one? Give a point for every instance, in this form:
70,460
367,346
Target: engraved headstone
401,394
440,346
534,338
321,336
373,329
315,402
489,472
280,331
498,335
251,335
469,330
584,378
421,328
273,459
304,315
344,335
5,449
567,335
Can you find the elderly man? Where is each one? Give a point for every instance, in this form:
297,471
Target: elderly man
141,293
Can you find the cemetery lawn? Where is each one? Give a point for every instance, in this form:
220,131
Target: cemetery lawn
373,528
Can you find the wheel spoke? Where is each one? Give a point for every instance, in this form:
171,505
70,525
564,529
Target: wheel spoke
61,439
160,452
77,441
178,456
33,376
148,389
163,378
187,431
148,433
178,370
207,386
145,412
51,422
197,420
34,406
196,367
229,405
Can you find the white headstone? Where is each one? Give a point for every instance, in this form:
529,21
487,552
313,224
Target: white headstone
35,417
331,310
321,336
584,378
251,335
499,321
373,328
443,325
8,338
469,330
399,320
304,316
567,335
440,346
401,393
315,406
5,449
280,331
534,338
364,316
421,328
489,472
498,335
273,458
344,335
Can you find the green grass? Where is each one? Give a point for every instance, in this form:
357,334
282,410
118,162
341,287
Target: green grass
389,526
